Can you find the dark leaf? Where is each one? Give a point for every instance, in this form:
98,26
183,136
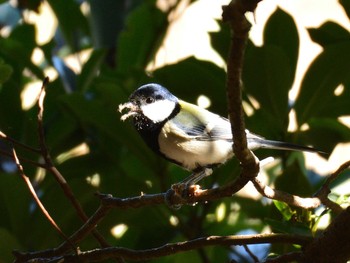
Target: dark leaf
296,173
29,4
281,31
329,33
267,77
8,241
90,69
326,73
289,227
346,5
71,21
108,20
190,78
144,32
326,133
220,40
5,72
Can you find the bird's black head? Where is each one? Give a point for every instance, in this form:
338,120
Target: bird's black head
150,106
151,94
152,103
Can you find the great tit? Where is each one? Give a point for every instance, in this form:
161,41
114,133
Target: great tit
185,134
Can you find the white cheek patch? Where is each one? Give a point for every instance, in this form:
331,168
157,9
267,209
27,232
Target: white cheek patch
159,110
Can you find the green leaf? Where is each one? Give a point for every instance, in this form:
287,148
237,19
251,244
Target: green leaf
267,77
8,242
326,73
289,227
326,133
18,55
5,72
25,34
285,210
220,40
145,29
329,33
281,31
107,20
11,124
295,173
71,20
14,206
338,102
90,69
31,5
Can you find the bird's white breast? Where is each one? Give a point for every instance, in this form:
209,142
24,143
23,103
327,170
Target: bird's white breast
192,153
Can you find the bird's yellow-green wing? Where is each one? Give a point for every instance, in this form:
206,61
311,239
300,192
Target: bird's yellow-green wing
201,124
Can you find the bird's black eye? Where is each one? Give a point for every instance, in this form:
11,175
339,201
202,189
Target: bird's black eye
149,100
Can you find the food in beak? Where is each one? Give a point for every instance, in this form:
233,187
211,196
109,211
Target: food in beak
132,110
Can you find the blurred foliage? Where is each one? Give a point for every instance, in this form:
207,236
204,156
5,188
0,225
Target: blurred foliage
124,37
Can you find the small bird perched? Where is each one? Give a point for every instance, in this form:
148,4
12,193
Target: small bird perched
188,135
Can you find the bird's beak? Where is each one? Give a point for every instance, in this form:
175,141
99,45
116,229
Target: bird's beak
132,110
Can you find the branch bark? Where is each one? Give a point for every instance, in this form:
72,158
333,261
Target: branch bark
234,15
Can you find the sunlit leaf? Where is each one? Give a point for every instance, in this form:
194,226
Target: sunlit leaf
285,210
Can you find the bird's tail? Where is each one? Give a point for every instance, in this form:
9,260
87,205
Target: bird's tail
269,144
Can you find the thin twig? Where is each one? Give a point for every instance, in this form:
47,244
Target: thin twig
35,196
5,153
17,143
250,253
50,166
79,235
321,197
289,257
324,191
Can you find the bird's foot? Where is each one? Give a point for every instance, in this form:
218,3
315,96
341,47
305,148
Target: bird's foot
185,190
181,192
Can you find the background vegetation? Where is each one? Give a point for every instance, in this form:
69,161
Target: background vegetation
81,109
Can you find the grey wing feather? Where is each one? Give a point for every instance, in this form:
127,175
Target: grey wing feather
217,129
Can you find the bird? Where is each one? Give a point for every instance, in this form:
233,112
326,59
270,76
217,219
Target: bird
186,134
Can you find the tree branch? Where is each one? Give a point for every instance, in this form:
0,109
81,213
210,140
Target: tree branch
174,248
234,15
35,196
